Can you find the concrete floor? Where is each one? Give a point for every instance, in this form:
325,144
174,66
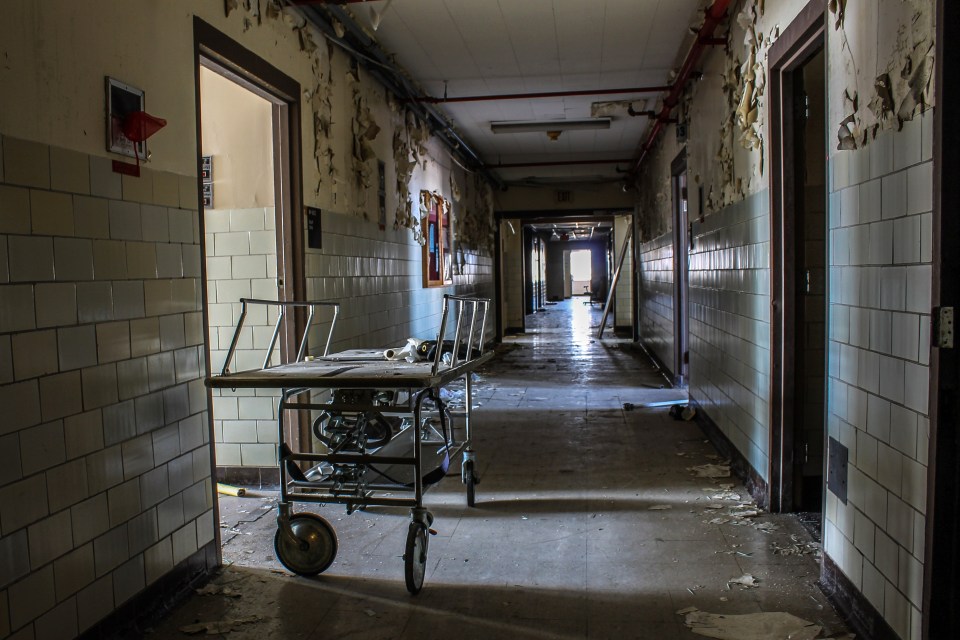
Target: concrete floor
564,541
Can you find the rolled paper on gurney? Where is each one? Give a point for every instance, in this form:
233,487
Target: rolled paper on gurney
229,490
408,352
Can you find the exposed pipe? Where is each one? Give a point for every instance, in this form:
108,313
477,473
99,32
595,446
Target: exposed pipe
540,94
705,38
300,3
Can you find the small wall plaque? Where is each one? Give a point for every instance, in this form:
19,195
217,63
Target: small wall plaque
314,237
208,195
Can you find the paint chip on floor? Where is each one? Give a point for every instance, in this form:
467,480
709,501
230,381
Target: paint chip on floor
751,626
711,470
746,581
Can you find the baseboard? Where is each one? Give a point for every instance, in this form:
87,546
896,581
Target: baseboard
249,476
754,482
861,616
134,618
664,369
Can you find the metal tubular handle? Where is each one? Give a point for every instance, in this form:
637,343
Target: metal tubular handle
283,305
458,335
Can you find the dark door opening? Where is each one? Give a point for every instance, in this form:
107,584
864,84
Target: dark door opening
941,617
809,304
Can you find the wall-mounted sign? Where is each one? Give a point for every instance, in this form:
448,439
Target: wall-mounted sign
314,237
206,176
382,195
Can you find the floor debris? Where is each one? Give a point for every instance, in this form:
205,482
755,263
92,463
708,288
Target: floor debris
711,470
795,548
746,581
216,627
771,625
218,590
660,507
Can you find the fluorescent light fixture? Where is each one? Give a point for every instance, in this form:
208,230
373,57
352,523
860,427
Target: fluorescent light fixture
538,126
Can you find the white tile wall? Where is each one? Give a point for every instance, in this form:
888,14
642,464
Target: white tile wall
729,324
656,293
887,490
88,373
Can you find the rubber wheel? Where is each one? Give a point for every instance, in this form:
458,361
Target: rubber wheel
415,557
471,480
321,545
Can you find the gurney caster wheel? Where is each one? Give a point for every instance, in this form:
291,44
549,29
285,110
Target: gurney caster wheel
470,479
415,557
313,550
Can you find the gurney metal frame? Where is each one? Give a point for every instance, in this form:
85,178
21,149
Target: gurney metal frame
305,542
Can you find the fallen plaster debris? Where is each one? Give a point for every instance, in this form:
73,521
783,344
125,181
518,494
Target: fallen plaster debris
660,507
218,590
795,548
721,470
216,627
751,626
746,581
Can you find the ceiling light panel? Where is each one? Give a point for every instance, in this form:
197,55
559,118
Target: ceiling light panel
527,126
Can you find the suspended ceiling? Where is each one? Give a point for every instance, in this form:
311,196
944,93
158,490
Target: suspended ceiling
460,48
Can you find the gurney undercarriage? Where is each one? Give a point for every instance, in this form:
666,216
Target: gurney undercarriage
384,432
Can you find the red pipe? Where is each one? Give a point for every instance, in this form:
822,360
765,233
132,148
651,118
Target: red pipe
543,94
704,39
554,163
303,2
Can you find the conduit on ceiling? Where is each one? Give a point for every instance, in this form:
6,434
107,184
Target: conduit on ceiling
705,39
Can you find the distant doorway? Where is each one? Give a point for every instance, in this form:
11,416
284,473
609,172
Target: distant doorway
581,272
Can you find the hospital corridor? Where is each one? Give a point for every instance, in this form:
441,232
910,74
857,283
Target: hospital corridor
415,319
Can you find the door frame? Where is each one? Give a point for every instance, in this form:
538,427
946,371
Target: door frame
941,584
681,277
216,51
802,38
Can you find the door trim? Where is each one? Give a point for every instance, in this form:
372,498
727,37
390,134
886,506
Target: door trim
941,583
681,265
803,38
218,52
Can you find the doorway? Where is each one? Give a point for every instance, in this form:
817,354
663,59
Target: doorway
251,240
581,271
681,246
798,275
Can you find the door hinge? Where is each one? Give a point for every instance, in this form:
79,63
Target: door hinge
943,327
